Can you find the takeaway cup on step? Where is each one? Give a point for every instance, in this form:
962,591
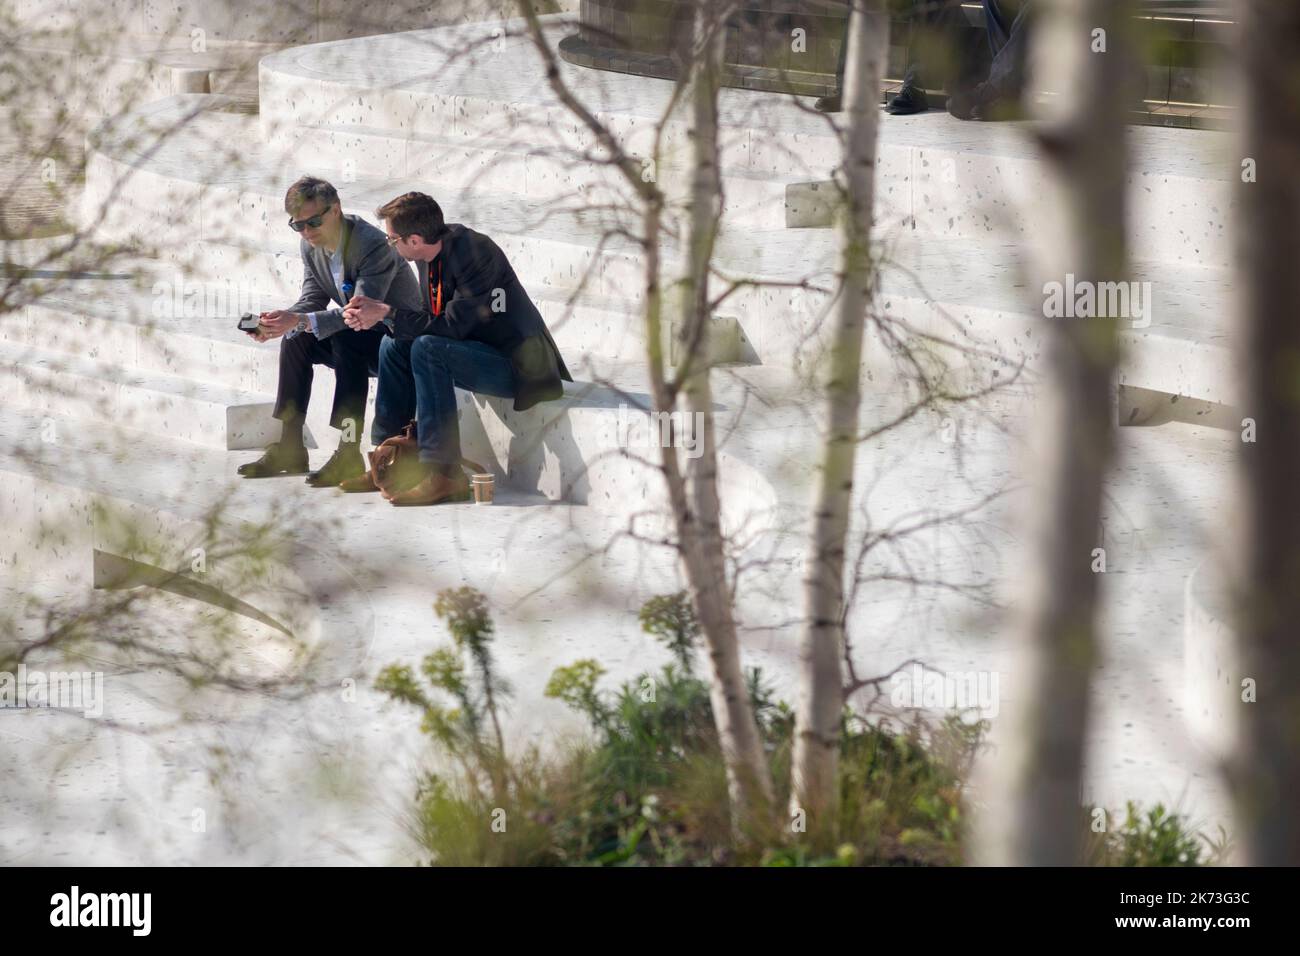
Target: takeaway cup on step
483,486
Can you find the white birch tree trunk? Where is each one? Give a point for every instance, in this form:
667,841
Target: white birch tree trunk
694,503
814,787
694,493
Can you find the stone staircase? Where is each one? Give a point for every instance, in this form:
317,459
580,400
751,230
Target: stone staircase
124,371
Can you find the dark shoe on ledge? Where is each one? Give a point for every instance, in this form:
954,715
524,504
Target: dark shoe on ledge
828,104
277,460
362,482
345,463
962,103
436,488
985,102
908,100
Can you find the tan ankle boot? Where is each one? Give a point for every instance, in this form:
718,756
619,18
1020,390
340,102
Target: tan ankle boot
436,488
362,482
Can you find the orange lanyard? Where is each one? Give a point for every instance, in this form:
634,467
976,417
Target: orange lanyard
437,310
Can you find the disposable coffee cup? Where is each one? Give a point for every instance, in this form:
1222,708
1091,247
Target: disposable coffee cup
483,486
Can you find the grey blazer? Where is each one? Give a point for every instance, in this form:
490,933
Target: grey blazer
369,262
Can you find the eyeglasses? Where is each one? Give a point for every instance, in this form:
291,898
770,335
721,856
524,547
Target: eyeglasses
298,225
394,240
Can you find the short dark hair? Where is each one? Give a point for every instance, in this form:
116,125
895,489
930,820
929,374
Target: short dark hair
307,188
412,213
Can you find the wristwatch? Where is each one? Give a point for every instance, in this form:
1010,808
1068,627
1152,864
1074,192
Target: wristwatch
303,325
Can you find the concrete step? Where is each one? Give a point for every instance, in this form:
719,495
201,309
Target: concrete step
83,530
600,446
228,23
119,328
343,153
123,329
85,389
503,167
115,71
589,323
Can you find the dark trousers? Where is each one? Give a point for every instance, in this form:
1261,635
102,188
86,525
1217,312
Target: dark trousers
937,27
354,356
1007,27
418,379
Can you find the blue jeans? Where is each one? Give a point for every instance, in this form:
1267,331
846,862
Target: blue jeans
418,378
1006,21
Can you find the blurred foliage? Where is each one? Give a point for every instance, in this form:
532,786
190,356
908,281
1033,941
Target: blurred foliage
1157,837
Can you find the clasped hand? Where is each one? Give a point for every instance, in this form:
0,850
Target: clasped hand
363,312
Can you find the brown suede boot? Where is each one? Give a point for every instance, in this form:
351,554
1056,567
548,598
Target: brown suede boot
362,482
436,487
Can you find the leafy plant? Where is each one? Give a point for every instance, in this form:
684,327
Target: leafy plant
466,674
1155,838
649,788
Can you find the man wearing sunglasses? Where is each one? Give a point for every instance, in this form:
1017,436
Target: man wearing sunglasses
341,254
475,329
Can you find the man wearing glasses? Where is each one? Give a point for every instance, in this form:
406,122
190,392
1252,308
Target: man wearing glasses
475,328
341,255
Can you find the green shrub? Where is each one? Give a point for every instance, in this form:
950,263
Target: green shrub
648,787
1156,838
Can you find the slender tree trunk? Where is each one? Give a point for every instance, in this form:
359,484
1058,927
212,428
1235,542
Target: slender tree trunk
1265,767
700,523
1034,811
821,700
748,776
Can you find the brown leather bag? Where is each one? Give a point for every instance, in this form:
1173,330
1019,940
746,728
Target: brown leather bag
395,464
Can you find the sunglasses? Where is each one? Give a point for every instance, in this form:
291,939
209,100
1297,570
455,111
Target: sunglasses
298,225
